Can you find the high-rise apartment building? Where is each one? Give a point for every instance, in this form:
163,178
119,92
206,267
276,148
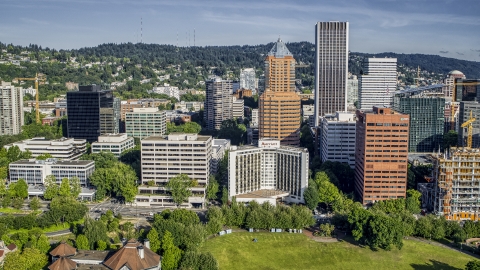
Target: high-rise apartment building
378,83
279,105
11,113
467,107
337,138
467,90
248,79
267,172
331,68
92,112
164,157
427,118
381,155
238,110
218,103
145,122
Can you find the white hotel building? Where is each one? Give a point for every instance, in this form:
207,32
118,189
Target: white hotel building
164,157
267,172
378,83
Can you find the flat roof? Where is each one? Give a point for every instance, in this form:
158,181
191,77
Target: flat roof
96,255
201,138
58,162
263,193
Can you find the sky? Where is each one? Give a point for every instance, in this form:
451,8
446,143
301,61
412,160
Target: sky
449,28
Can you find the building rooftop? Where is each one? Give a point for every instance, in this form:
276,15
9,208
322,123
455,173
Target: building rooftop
179,137
62,250
279,50
263,193
54,161
129,256
63,263
91,255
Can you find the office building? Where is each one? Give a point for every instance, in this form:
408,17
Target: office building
449,82
91,112
11,112
171,91
34,171
426,106
248,79
114,143
467,107
467,90
238,109
189,106
378,83
164,157
381,150
337,138
352,92
267,172
145,122
64,148
218,103
219,147
307,112
331,68
279,105
241,93
128,105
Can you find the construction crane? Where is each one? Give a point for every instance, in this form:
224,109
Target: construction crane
37,104
469,124
454,99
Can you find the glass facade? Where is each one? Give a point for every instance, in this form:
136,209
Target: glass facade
84,109
427,120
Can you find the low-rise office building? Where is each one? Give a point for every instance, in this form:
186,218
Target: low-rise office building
189,106
64,148
164,157
145,122
337,138
115,143
267,172
34,171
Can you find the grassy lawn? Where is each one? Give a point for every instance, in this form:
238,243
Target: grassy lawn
11,211
296,251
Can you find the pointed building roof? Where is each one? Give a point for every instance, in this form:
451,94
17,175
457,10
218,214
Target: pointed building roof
129,256
63,250
63,264
279,50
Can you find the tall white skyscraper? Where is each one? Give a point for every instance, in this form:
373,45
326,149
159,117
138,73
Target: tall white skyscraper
378,83
11,109
331,68
248,80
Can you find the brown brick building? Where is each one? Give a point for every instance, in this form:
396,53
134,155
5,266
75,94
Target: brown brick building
381,155
279,105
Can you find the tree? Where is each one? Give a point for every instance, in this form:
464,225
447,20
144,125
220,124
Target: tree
171,253
311,195
21,189
117,180
75,186
450,139
224,196
51,187
34,204
154,240
42,244
30,258
179,188
473,265
82,242
412,203
326,229
212,188
44,156
328,193
95,231
65,188
17,203
101,245
383,232
232,130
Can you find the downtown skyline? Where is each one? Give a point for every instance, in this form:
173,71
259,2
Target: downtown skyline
446,28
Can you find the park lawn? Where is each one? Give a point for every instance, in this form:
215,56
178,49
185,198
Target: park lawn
297,251
11,211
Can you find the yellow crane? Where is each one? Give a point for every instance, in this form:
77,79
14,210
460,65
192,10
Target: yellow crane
454,98
37,104
469,125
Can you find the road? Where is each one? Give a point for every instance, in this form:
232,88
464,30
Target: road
58,233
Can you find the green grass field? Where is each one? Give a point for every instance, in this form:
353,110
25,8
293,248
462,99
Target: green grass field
296,251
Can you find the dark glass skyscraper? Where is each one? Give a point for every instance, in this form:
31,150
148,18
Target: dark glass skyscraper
91,112
427,118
